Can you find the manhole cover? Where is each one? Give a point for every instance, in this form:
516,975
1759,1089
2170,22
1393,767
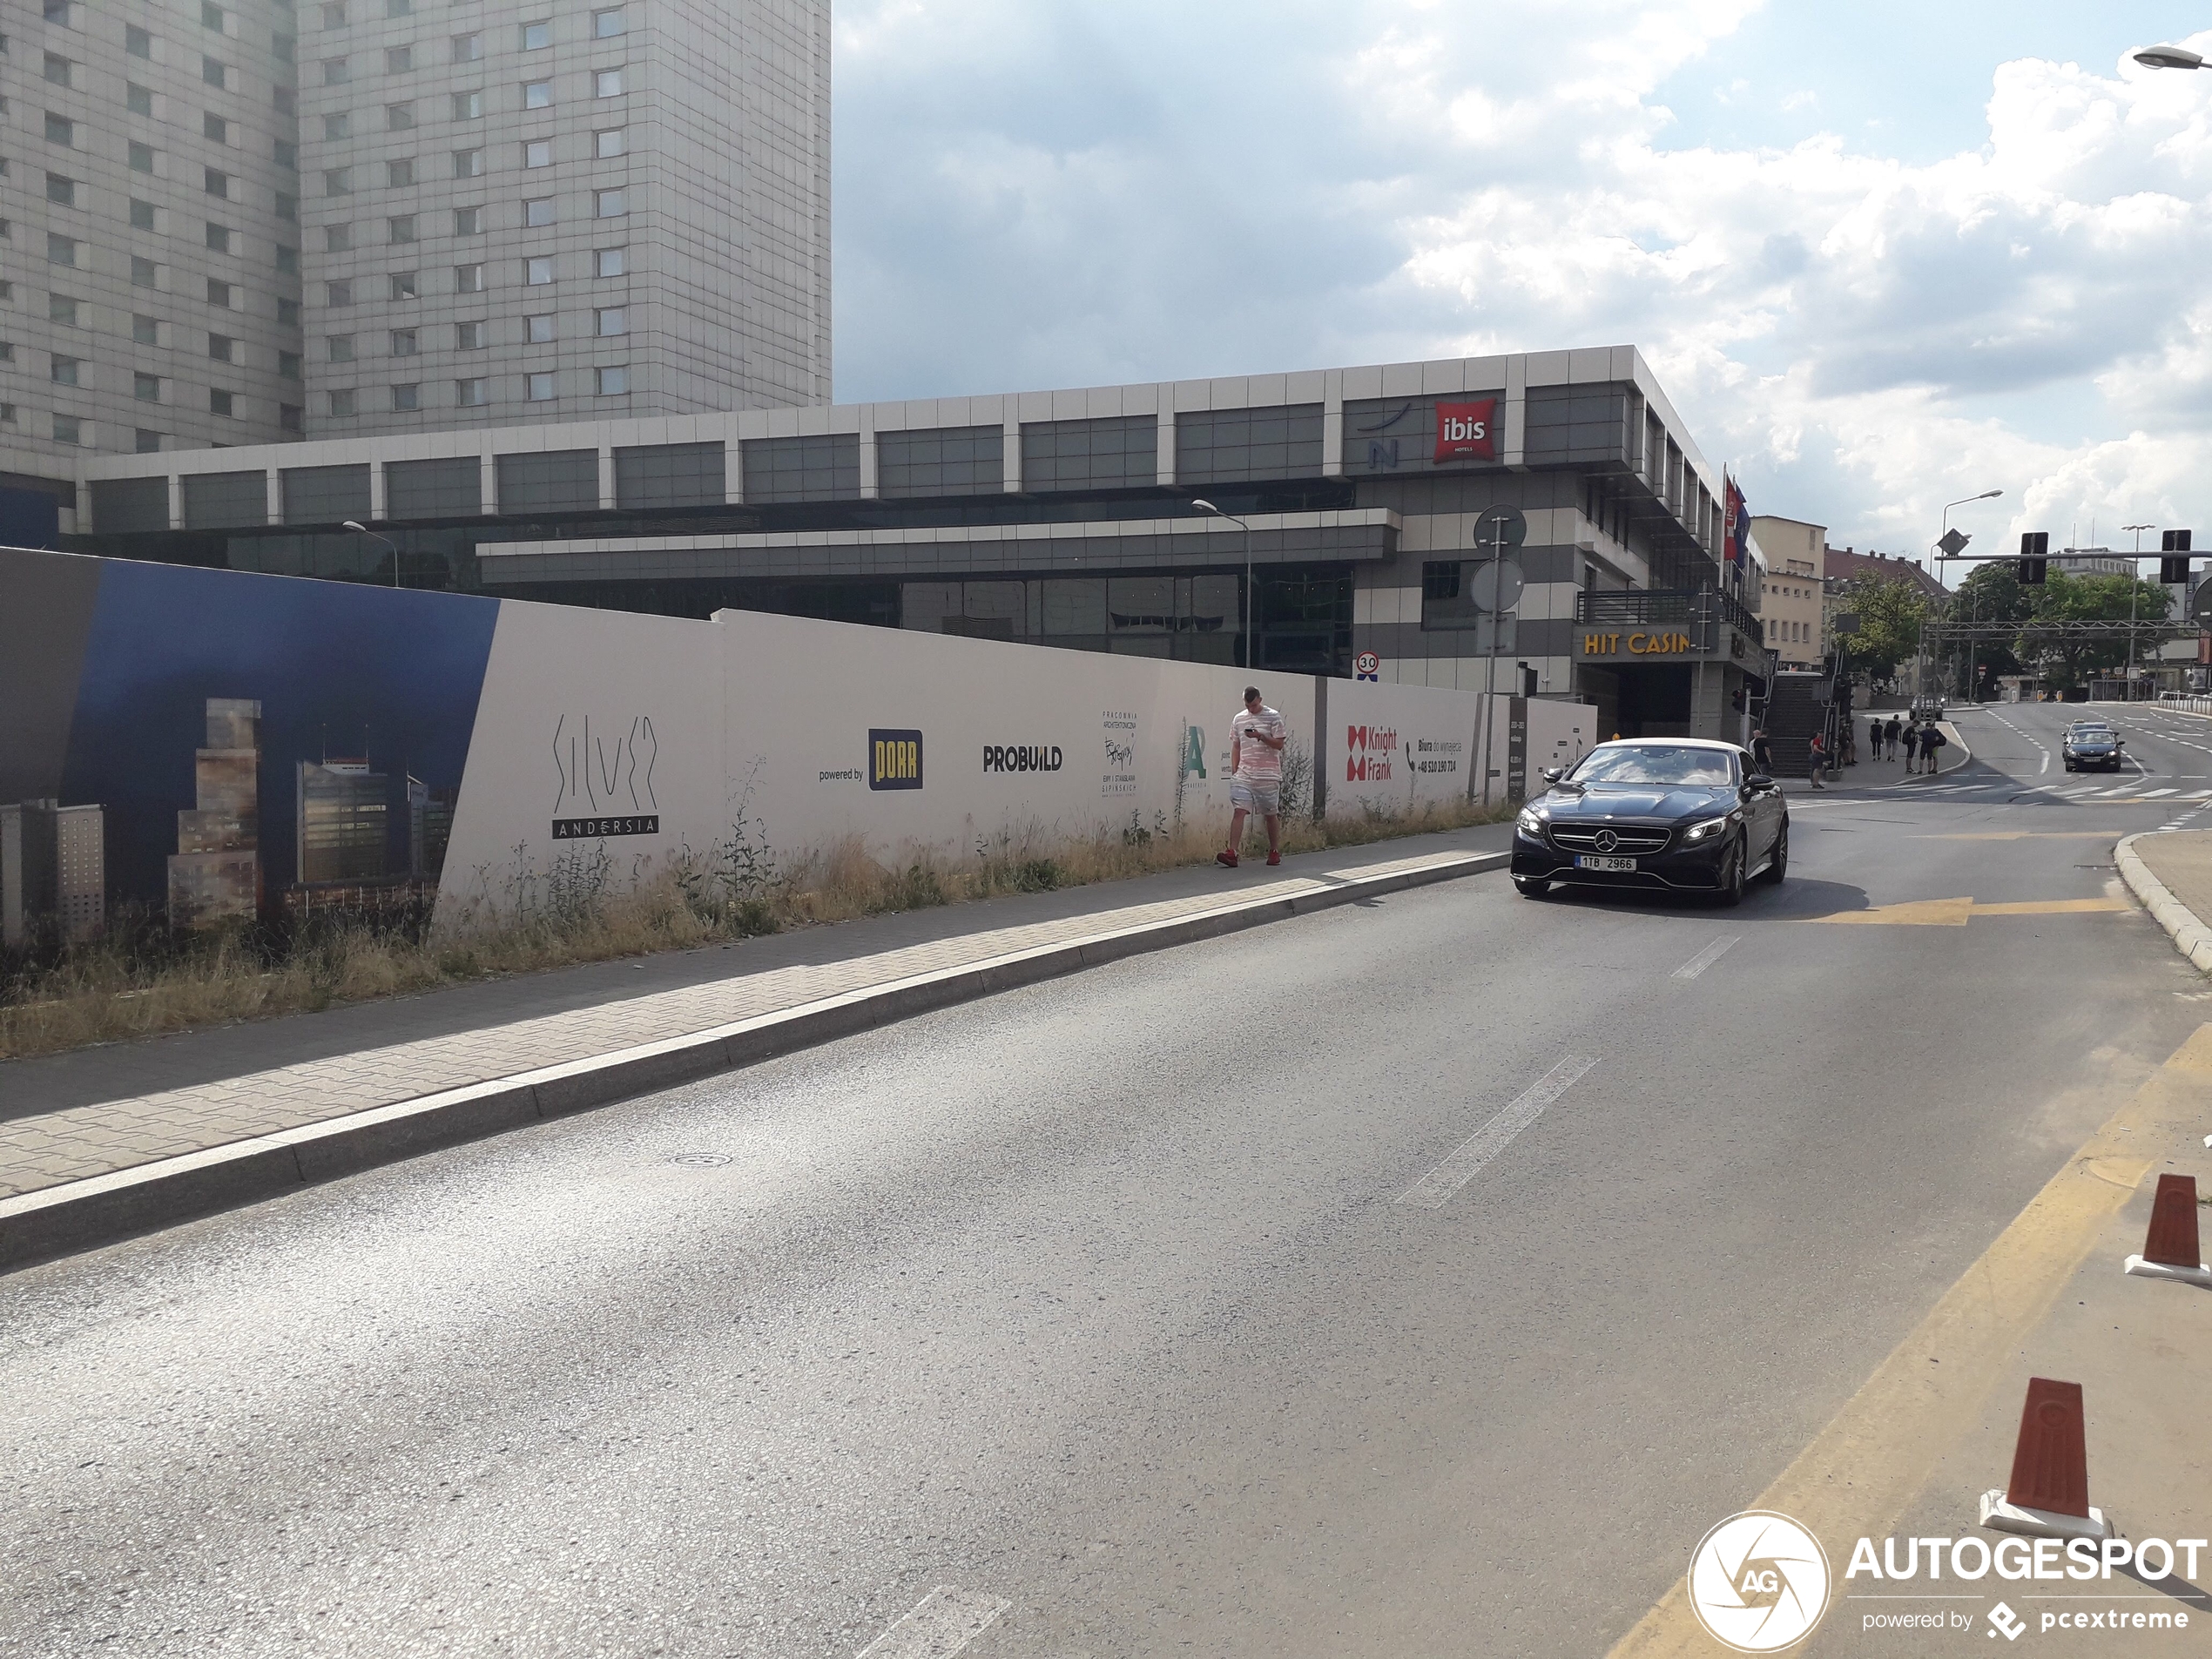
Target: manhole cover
704,1160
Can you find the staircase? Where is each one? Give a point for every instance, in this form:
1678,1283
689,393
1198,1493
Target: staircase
1794,712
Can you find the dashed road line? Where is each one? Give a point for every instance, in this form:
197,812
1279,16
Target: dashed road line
1434,1190
1706,958
944,1622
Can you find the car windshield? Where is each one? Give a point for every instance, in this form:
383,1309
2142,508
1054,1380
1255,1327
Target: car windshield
1654,763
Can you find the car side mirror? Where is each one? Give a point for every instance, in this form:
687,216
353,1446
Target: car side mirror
1552,774
1759,780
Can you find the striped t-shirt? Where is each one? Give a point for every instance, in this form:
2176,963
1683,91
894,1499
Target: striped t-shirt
1256,761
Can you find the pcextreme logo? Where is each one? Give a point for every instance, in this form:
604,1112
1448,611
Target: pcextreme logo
1759,1582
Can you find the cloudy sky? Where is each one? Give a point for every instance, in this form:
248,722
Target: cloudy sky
1882,255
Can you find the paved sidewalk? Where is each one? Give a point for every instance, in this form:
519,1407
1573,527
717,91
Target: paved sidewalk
2183,860
70,1117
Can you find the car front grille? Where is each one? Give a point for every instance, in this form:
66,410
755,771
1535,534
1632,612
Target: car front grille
1627,839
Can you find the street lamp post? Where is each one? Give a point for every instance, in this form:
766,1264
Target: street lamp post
2168,57
1986,494
359,529
2134,580
1250,644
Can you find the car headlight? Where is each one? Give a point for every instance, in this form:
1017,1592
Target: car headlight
1710,827
1530,823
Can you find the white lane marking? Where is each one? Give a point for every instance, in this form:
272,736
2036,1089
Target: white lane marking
2153,795
1434,1190
1706,958
944,1622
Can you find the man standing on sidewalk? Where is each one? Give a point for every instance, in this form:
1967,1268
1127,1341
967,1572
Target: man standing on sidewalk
1255,776
1932,742
1911,746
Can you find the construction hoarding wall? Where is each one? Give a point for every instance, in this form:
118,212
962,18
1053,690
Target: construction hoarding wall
209,745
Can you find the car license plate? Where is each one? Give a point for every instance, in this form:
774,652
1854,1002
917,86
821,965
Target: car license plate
1590,861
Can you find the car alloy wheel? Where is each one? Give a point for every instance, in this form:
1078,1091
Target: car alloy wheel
1778,865
1731,892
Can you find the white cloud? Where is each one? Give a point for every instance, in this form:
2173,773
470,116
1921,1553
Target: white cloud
1034,196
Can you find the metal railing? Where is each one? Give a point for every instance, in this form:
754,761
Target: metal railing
1647,607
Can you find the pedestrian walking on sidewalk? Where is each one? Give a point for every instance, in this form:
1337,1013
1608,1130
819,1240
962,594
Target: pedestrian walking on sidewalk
1932,742
1874,738
1255,776
1762,753
1911,746
1889,737
1819,756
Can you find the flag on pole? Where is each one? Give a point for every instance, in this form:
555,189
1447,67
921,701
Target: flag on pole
1738,532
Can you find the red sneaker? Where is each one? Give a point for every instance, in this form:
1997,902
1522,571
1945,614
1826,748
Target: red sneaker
1274,857
1228,859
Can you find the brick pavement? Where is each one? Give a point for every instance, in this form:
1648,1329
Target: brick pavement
67,1117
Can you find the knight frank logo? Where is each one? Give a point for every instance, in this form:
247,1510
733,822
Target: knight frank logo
1468,431
1759,1582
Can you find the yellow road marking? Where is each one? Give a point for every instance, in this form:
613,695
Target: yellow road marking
1955,912
1856,1477
2021,835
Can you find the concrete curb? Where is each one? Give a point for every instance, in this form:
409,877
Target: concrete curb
79,1215
2190,935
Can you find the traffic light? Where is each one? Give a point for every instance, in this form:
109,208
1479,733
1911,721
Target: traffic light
2174,567
2035,548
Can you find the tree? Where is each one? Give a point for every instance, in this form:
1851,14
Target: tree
1889,611
2070,660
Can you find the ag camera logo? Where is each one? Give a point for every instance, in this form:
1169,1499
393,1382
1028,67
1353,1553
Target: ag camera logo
1759,1582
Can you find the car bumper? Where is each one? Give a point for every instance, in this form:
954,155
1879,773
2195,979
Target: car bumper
1678,869
2095,763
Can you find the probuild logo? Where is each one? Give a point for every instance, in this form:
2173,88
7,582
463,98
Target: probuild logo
1018,757
895,759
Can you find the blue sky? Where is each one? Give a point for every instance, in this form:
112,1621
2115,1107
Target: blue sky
1882,255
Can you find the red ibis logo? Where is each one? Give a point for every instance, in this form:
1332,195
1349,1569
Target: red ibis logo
1468,431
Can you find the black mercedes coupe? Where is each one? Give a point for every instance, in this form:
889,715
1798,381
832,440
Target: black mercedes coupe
1669,814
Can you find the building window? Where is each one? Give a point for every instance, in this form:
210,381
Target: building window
144,273
468,221
287,206
285,99
342,348
220,402
338,127
403,227
288,365
467,49
398,7
222,348
538,329
607,83
138,99
334,15
537,95
218,238
538,210
540,388
398,60
468,164
537,152
609,143
607,204
468,106
398,117
612,319
141,157
61,190
471,394
341,403
213,127
62,309
147,387
614,380
469,336
148,443
287,313
217,183
607,23
62,249
337,239
537,37
467,279
286,154
62,371
406,396
338,181
338,293
214,71
138,41
145,331
400,174
538,272
211,16
291,418
219,293
403,343
58,12
68,429
57,70
609,261
335,73
287,259
60,130
404,286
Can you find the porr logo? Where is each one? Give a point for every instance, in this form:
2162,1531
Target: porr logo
1468,431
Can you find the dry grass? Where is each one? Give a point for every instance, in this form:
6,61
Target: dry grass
120,989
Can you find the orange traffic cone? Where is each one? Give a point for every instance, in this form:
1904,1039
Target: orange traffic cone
2171,1250
2049,1493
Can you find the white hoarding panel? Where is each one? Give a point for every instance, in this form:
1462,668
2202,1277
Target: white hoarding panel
1397,746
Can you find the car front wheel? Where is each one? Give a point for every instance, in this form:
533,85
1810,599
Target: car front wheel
1778,866
1731,889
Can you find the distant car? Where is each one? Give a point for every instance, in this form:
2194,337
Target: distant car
2090,746
1669,815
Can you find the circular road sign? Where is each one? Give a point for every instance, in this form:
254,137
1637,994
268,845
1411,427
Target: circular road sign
1501,528
1496,585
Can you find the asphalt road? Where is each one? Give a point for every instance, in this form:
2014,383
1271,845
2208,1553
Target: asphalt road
1097,1299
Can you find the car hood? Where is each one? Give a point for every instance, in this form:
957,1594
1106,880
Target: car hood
1639,800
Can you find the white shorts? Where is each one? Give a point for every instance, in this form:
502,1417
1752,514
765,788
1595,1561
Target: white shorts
1261,795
